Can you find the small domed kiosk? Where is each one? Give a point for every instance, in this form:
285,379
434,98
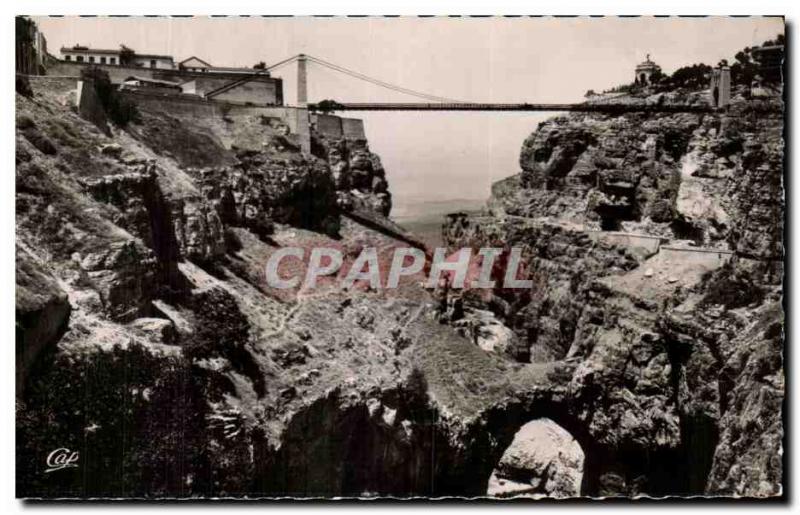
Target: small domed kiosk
645,70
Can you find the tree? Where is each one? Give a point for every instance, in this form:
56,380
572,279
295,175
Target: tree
126,56
328,106
695,76
657,76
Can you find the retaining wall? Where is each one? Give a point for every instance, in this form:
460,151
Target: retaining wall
89,106
640,244
336,127
353,128
709,257
60,84
328,125
263,90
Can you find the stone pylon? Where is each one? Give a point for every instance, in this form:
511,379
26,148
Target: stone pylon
719,91
302,81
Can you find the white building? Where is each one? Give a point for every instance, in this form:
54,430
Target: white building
161,62
194,64
197,65
82,54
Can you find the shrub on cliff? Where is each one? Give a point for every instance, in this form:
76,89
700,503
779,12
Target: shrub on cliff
750,63
120,110
692,77
222,328
733,287
328,106
415,395
222,332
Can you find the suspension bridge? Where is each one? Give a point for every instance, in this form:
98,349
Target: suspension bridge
439,103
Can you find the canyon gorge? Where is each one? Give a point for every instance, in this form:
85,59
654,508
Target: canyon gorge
647,359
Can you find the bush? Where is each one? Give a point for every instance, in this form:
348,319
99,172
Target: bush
223,332
415,395
693,77
328,106
732,287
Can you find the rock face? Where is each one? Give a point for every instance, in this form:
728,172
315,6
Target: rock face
268,187
152,318
654,243
149,341
747,460
358,173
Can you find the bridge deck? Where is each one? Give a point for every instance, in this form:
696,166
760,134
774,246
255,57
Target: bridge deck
591,108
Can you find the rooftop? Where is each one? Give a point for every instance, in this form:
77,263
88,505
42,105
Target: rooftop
164,83
78,48
85,49
647,64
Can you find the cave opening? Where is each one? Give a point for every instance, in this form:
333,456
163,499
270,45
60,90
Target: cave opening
684,230
610,224
543,459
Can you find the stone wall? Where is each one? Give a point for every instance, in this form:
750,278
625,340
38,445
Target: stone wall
353,128
328,125
115,73
187,105
641,245
89,106
264,90
260,91
335,127
711,258
56,84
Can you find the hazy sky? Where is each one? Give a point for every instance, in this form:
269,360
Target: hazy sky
436,155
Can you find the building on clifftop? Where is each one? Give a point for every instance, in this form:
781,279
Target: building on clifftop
645,70
84,54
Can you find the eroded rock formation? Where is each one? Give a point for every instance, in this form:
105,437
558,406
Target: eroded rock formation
655,246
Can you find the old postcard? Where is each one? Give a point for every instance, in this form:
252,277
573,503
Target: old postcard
399,257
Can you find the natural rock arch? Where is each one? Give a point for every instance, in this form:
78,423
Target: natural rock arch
494,433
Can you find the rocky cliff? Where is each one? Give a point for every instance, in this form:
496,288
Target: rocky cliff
149,341
655,244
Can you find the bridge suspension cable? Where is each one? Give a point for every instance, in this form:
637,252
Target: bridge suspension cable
378,82
282,63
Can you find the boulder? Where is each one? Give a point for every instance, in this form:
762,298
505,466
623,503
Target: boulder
42,313
158,329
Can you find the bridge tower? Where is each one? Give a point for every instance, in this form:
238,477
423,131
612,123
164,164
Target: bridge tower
719,91
302,81
303,128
